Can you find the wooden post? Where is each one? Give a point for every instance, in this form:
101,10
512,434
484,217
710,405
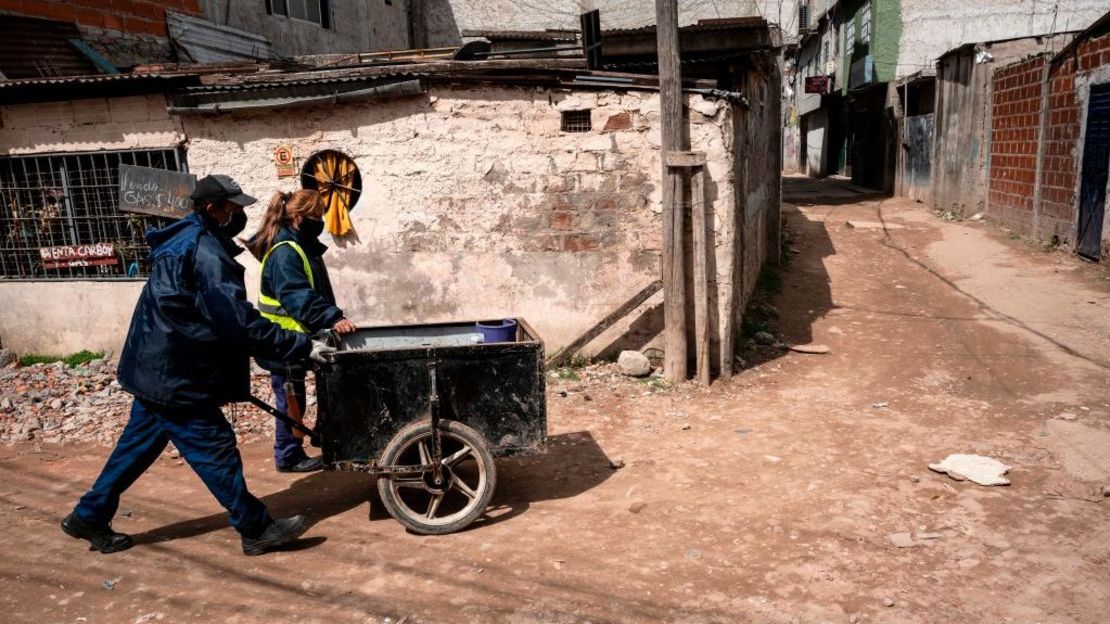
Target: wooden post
701,274
670,114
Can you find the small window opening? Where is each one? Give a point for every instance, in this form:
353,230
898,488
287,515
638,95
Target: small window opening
576,121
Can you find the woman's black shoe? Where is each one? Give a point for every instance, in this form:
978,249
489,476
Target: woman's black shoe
308,464
101,538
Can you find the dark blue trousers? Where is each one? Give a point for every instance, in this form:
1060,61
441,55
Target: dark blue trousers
205,440
288,448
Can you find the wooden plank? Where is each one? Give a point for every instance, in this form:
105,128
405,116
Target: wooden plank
701,275
562,356
157,192
674,270
685,159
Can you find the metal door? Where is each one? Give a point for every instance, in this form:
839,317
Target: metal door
1096,161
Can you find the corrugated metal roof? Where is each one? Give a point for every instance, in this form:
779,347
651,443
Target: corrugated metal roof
523,35
707,25
33,48
88,80
205,42
233,85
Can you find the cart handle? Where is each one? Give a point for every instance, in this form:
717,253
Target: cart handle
313,437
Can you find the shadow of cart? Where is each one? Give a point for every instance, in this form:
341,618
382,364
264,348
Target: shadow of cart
573,464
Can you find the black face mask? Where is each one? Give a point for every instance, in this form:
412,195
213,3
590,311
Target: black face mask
311,228
234,226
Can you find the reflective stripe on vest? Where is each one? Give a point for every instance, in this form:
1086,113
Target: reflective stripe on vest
270,307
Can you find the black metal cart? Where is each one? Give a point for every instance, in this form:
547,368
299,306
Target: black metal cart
427,408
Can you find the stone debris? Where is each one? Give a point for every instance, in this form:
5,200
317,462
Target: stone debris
888,602
974,468
880,405
902,540
634,364
815,349
616,464
7,356
1066,416
56,404
764,338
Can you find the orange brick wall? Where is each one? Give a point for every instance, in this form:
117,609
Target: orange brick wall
1015,131
1014,122
1059,175
139,17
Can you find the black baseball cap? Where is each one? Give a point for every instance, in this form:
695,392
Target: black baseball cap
217,188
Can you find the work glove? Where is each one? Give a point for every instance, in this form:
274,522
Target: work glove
321,352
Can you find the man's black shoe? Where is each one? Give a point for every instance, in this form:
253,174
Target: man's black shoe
102,538
278,534
308,464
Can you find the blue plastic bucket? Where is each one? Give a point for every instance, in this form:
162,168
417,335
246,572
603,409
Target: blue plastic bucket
503,330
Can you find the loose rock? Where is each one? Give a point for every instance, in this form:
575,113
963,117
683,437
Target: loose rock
764,338
637,507
975,468
902,540
634,364
888,601
814,349
616,464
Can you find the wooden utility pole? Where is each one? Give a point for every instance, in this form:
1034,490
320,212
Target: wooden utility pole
670,114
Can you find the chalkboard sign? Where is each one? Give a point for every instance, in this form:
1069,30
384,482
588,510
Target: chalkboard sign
155,192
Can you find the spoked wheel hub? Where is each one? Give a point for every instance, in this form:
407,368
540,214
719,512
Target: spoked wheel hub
428,503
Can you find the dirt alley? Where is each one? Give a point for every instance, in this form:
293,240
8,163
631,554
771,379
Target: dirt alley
767,499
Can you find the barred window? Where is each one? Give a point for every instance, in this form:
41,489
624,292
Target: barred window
59,216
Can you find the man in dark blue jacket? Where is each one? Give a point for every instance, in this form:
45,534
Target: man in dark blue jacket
187,353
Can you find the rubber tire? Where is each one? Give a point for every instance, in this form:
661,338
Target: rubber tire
481,453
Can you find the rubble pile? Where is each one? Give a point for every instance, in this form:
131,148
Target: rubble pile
54,403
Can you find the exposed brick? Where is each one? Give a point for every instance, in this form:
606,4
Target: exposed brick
581,242
89,17
113,22
620,121
562,220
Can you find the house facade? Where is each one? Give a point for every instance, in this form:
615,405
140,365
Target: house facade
1050,145
879,72
484,189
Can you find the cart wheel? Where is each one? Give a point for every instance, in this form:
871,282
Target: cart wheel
467,479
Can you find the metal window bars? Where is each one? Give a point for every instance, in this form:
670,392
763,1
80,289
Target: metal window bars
72,199
576,121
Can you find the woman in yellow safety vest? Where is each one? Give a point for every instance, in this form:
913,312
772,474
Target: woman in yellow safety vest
296,294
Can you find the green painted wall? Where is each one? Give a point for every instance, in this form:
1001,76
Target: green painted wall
887,16
883,46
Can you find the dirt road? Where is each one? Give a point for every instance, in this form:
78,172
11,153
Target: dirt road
772,498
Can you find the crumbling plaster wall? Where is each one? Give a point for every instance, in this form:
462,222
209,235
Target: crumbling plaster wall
63,317
476,205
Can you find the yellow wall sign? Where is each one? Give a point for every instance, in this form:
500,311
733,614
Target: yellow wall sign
283,160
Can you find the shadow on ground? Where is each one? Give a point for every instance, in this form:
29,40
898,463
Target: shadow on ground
573,464
788,299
